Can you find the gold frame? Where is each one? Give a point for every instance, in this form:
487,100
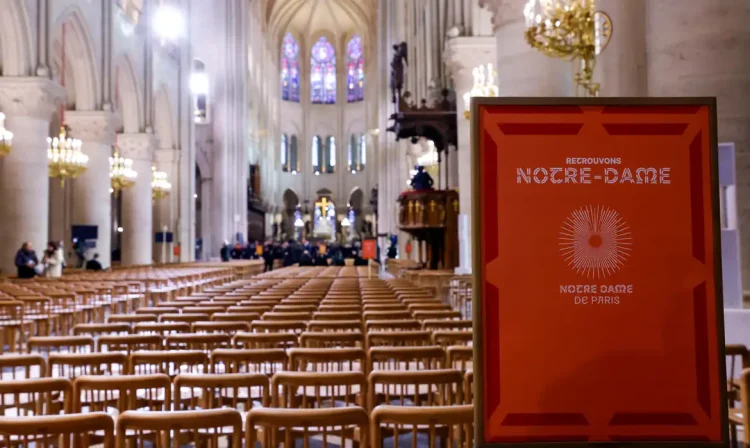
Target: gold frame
478,103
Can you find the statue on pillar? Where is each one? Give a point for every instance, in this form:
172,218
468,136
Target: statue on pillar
421,180
397,70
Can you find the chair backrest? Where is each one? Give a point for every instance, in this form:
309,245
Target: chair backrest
459,357
184,317
38,396
73,365
412,338
132,318
405,358
416,388
263,361
445,338
334,325
99,329
393,421
197,341
69,344
227,327
392,325
265,340
446,324
234,316
59,431
278,326
174,429
328,339
284,425
327,359
22,366
469,386
122,392
161,328
241,391
318,390
171,363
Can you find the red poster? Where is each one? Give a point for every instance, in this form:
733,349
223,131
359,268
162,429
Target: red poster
369,249
599,272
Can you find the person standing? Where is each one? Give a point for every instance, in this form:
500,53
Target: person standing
26,261
52,261
269,254
224,252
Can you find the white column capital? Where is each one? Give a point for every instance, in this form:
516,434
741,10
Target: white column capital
504,11
30,96
93,126
462,54
137,146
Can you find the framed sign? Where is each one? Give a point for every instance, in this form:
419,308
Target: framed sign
369,249
597,294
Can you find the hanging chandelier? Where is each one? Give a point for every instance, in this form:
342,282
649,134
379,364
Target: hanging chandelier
6,137
484,85
121,172
66,160
160,186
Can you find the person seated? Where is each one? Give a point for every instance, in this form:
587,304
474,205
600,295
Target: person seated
94,265
321,260
26,261
305,259
338,259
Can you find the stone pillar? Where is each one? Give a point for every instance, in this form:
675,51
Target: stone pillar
522,70
165,210
91,201
462,54
713,62
137,201
621,68
28,104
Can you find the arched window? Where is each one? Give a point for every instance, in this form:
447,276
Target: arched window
293,159
317,156
284,153
323,73
330,155
199,86
355,70
357,154
289,69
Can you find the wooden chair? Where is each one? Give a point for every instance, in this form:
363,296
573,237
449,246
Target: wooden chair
206,342
334,325
38,396
73,365
392,325
117,394
233,316
241,391
459,357
70,344
323,339
327,359
285,426
178,428
446,324
446,338
451,424
405,358
170,363
416,388
59,431
130,343
260,361
94,330
22,366
305,390
412,338
161,328
278,326
184,317
12,325
265,340
227,327
469,386
132,318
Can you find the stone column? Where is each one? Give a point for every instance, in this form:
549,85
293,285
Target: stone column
92,201
713,62
165,210
462,54
621,68
28,104
522,70
137,201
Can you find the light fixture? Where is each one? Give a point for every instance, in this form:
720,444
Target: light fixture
66,160
169,23
195,195
569,29
294,172
160,186
484,85
120,230
111,190
345,222
317,173
199,83
121,172
298,223
354,171
6,137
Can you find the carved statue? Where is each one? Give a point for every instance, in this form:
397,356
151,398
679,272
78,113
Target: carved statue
400,58
421,180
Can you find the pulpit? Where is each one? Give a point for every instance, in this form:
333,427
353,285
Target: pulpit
431,216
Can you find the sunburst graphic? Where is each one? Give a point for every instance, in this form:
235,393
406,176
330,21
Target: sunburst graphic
595,241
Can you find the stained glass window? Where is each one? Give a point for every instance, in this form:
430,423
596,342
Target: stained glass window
289,69
355,70
323,73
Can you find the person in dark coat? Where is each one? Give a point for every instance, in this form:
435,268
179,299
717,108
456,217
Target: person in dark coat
26,261
224,252
305,259
269,254
93,264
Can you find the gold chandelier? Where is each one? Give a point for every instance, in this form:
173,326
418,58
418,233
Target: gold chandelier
121,172
66,160
569,29
484,85
160,186
6,137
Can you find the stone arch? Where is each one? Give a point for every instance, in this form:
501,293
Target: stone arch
290,199
16,49
80,59
357,199
164,123
128,98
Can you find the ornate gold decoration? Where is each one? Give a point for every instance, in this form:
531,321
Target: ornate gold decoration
66,160
455,205
160,186
121,172
484,86
432,206
569,29
6,137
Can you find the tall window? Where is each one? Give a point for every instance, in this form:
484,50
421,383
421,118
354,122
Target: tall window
293,159
284,153
330,154
355,70
323,73
289,69
317,155
357,154
289,158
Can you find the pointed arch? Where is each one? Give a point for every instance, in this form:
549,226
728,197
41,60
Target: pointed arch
128,98
80,57
164,121
16,43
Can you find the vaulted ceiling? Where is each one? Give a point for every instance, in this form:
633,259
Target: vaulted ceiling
309,17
